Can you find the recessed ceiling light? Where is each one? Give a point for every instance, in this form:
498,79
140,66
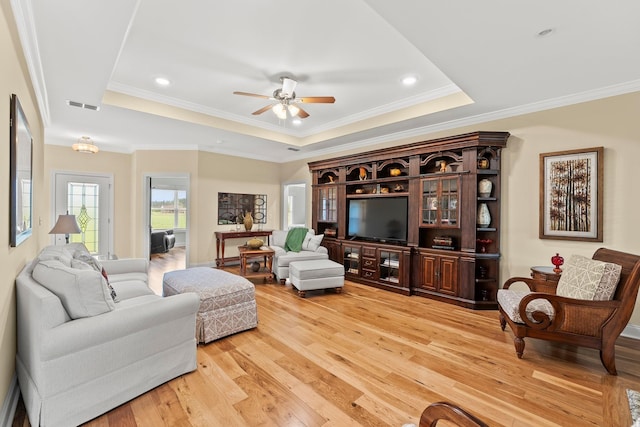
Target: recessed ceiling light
162,81
545,32
409,80
297,122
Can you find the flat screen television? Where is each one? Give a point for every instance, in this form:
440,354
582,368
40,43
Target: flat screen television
380,219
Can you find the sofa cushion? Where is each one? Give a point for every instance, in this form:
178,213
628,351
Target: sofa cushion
581,278
609,282
289,257
76,263
510,299
311,241
81,291
278,238
131,289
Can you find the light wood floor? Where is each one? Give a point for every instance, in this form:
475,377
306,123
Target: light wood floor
374,358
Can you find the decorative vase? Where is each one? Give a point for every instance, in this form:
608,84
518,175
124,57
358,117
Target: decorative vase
484,188
484,217
483,163
557,261
255,243
395,172
248,221
363,174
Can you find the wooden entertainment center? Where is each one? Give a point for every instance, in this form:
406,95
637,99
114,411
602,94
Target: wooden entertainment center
450,252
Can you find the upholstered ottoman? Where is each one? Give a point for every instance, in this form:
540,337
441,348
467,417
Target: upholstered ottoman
316,274
227,301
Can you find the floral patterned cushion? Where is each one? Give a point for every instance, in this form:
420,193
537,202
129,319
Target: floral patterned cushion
509,300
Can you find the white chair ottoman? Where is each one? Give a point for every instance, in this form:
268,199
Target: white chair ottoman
316,274
227,301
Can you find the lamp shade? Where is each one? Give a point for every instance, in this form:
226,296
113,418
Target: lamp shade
66,224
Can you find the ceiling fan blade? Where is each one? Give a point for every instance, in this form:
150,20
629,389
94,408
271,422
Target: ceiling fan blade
252,94
262,110
317,99
302,114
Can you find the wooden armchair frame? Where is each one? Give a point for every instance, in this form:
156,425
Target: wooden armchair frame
593,324
449,412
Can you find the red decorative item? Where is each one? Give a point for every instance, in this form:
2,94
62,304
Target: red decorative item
557,261
483,244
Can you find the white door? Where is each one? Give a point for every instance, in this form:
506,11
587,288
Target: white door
89,198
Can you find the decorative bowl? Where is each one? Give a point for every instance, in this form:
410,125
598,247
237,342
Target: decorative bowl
395,172
255,243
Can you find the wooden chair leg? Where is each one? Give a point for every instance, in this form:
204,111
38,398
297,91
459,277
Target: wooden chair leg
503,322
608,358
519,343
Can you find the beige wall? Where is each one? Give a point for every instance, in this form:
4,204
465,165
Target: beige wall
15,79
612,123
116,165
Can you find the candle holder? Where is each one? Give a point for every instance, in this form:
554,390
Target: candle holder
557,261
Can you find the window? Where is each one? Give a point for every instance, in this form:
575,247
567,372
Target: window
168,209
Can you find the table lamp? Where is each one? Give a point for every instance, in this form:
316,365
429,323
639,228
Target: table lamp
66,225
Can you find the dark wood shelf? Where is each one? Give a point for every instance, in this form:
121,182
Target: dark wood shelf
449,274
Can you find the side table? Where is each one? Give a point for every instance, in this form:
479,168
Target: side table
222,235
246,253
547,275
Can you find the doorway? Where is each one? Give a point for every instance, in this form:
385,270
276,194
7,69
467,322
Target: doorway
90,198
167,209
295,205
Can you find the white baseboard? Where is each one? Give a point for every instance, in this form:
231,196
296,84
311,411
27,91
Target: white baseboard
10,403
631,331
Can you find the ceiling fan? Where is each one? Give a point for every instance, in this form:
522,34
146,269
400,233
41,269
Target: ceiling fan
286,100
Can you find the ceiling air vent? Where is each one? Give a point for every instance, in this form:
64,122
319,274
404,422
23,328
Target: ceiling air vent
82,105
293,149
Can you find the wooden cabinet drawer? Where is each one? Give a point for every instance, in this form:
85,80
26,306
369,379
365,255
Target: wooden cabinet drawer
369,274
369,263
370,252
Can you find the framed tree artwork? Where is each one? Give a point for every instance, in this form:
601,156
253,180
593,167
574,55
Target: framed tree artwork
20,193
571,195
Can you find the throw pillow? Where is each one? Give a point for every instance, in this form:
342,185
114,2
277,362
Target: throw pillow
580,278
81,291
86,257
106,281
312,242
609,282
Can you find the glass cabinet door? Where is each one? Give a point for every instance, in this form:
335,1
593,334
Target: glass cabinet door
430,201
449,201
440,201
327,204
390,266
352,260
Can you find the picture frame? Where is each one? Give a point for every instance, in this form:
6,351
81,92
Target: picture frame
21,179
571,193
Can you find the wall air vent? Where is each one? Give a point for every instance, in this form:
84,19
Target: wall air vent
82,105
293,149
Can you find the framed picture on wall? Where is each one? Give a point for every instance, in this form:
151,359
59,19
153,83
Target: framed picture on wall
571,195
20,193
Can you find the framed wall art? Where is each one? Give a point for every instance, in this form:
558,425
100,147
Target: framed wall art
232,205
571,194
20,193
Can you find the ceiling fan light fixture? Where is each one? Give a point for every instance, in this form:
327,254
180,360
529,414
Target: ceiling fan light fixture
288,86
85,145
293,110
280,111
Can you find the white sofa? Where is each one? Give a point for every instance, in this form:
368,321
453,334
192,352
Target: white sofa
311,249
79,352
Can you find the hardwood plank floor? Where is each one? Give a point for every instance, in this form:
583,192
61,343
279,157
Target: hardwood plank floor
370,357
